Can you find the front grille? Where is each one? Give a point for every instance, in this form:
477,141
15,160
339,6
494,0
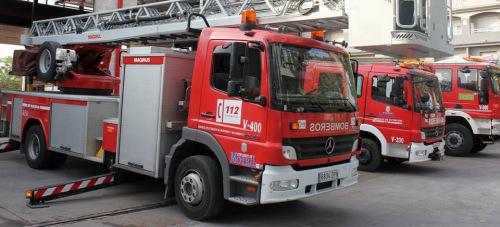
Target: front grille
433,132
311,148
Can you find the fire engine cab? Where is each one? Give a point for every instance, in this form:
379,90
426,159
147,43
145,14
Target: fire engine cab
402,115
471,94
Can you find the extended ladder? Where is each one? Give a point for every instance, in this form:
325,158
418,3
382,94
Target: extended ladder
166,21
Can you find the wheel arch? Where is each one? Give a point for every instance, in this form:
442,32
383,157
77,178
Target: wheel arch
460,117
30,123
195,142
373,133
462,121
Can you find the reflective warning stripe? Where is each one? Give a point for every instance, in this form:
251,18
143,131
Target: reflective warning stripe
73,186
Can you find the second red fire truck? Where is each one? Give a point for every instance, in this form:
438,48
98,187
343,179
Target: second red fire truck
402,115
471,94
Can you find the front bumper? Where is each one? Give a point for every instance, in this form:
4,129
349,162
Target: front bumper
495,127
420,152
308,181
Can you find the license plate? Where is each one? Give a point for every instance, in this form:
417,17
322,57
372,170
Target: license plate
328,176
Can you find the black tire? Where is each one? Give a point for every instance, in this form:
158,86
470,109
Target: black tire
35,149
478,146
58,159
370,158
46,61
459,140
199,203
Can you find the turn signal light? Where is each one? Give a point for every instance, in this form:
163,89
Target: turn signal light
407,65
29,194
248,20
318,35
294,125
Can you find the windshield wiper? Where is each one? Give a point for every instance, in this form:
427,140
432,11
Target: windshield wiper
352,109
314,101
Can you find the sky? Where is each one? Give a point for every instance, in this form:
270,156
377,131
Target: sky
8,50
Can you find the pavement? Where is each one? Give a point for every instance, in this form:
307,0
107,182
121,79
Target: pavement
460,191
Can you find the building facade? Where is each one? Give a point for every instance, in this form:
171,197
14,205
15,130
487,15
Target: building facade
476,28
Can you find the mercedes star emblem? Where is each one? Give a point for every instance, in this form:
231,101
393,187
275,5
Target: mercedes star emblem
329,145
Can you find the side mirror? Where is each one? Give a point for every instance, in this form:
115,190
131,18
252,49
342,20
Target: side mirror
233,88
237,60
484,89
355,66
465,69
424,97
485,74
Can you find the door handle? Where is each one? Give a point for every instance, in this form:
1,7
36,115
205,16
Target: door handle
209,115
371,115
458,106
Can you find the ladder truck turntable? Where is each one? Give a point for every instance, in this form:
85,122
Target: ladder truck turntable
253,116
402,114
471,91
229,121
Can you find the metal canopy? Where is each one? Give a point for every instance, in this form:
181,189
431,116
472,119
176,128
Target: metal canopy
166,21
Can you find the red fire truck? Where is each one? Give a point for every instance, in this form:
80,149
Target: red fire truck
402,115
471,94
232,120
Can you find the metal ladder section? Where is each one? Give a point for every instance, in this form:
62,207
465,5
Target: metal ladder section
165,22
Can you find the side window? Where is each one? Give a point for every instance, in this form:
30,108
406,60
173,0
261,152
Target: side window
468,80
359,85
384,91
444,77
220,68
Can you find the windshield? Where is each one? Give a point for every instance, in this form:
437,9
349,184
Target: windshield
308,79
423,85
495,80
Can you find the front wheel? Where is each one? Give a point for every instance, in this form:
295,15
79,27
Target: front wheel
459,140
198,187
478,146
370,158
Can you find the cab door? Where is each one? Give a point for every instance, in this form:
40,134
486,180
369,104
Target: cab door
386,108
238,125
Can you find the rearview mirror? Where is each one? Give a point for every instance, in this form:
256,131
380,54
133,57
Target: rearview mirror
430,83
233,88
424,97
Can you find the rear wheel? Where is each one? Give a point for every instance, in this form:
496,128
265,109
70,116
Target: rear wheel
478,146
35,149
459,140
370,158
198,187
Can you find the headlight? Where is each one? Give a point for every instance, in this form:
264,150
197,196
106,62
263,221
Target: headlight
289,153
354,172
355,145
421,153
422,135
285,185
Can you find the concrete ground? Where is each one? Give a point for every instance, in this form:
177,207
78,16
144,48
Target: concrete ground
456,192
